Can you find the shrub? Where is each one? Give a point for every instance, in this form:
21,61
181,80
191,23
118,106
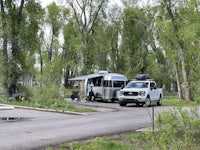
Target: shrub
177,129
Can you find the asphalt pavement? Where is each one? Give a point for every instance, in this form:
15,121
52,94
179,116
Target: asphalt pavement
23,129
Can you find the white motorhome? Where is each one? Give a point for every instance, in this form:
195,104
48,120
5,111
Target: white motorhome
105,85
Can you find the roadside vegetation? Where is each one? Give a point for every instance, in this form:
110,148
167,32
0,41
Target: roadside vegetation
176,129
48,98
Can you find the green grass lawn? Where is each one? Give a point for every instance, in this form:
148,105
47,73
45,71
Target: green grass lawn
173,101
59,105
126,141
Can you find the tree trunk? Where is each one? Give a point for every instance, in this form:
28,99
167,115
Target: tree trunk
181,50
178,83
185,83
66,77
5,52
50,51
41,62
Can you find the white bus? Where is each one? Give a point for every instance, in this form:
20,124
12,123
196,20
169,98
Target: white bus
105,85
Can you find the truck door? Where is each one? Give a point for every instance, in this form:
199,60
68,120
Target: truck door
152,91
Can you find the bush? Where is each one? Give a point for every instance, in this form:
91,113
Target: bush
24,91
11,99
46,96
99,144
177,129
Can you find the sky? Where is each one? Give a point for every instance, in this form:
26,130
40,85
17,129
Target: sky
46,2
61,2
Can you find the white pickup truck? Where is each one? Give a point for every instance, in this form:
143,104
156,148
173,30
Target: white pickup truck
141,91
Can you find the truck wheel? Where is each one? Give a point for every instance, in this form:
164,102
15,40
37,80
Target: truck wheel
148,102
138,104
121,103
159,103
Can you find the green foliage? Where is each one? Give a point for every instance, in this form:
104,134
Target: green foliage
21,24
175,101
52,72
54,18
177,129
134,41
99,144
44,96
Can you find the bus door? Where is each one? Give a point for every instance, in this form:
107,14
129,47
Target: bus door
107,89
98,87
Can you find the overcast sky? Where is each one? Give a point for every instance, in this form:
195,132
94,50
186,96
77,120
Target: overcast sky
61,2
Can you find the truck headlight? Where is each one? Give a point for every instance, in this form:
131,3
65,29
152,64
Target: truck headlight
121,92
141,93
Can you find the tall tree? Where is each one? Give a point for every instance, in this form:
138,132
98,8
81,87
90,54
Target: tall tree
70,50
86,13
54,19
190,35
17,19
134,40
113,39
174,21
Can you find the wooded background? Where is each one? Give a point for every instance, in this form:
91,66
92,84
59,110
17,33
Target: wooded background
162,40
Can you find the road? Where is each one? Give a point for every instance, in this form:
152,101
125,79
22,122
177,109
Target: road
35,129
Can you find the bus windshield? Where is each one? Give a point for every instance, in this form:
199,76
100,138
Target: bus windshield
118,83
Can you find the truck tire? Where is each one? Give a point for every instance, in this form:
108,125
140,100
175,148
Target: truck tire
148,102
121,103
159,102
137,104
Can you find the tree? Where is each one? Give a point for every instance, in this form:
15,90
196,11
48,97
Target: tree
135,40
175,19
54,19
18,25
86,13
113,53
71,48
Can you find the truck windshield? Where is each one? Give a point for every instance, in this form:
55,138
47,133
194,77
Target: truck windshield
137,85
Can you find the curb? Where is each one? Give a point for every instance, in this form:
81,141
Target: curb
6,107
51,110
12,107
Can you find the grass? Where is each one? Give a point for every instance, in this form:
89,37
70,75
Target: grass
174,101
60,105
126,141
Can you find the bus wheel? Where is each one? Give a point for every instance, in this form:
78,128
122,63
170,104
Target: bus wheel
113,100
121,103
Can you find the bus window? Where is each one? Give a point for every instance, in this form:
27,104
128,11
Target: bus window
107,83
118,83
97,81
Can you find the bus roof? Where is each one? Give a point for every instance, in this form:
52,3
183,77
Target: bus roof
90,76
106,76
